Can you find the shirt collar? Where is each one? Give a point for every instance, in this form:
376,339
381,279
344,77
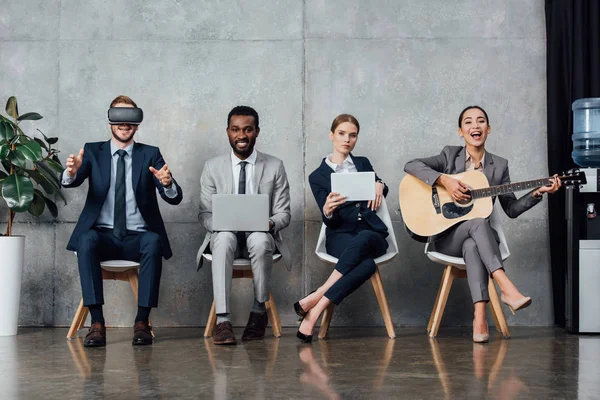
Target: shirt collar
250,160
114,148
347,163
469,160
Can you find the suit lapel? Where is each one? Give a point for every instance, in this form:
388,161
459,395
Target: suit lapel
228,172
459,161
488,168
105,160
137,162
360,167
258,170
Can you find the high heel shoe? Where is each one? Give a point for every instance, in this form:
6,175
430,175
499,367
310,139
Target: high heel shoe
480,337
304,338
523,302
298,308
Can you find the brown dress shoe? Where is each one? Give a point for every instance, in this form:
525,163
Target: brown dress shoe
255,328
142,334
96,336
223,334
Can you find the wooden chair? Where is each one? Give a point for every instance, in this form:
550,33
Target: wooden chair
456,268
243,269
121,270
321,252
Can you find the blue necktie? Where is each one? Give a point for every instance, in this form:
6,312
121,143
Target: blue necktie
120,221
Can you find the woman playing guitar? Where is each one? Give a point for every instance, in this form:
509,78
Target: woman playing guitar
475,240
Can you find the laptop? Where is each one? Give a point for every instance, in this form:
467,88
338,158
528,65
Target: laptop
356,186
240,212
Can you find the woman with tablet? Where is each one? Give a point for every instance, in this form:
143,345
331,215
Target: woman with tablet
355,234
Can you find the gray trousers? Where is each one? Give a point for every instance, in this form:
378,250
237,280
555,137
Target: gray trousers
477,243
225,248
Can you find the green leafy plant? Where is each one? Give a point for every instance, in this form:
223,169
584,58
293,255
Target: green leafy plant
29,164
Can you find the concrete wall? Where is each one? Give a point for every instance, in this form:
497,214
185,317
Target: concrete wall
404,68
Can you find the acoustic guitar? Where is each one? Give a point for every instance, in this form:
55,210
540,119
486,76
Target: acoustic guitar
429,212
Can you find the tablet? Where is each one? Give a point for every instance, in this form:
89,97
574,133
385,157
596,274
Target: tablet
356,186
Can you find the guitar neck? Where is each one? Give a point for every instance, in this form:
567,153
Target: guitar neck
508,188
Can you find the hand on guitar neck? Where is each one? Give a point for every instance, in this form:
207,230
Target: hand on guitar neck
556,184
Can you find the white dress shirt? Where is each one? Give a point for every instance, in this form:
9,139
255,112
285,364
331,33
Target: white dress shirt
346,166
235,166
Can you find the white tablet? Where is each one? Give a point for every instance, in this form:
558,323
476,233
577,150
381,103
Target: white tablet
356,186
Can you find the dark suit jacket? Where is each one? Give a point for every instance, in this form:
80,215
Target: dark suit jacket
452,161
345,217
96,165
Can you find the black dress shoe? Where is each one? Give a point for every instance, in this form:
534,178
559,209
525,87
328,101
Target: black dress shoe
255,328
96,336
223,334
304,338
142,334
298,308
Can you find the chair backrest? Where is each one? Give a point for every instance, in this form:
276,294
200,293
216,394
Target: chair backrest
384,215
496,224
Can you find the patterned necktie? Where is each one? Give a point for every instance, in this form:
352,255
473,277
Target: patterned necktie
120,221
241,236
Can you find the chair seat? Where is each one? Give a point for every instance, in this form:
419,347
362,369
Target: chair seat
387,257
241,263
118,265
437,257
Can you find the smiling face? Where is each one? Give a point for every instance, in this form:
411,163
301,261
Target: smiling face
344,138
123,133
242,133
474,128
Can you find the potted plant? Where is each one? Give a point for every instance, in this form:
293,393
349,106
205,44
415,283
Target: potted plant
29,180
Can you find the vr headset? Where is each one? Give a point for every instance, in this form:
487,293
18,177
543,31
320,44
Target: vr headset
125,115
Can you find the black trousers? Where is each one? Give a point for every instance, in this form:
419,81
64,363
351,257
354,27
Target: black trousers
100,245
355,252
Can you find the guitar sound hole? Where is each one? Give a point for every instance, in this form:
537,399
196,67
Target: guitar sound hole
467,201
453,211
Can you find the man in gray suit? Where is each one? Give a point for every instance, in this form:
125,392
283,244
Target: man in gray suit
244,171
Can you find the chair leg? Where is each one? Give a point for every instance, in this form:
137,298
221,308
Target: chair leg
325,321
383,303
273,316
78,320
437,298
499,318
212,320
440,305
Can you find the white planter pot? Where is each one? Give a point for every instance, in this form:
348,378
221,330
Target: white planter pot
12,255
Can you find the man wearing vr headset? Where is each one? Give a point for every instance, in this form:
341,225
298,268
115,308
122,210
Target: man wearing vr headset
121,218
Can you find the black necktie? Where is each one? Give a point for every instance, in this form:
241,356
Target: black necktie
241,236
120,222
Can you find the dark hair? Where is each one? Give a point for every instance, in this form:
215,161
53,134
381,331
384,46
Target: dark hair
243,110
460,117
340,119
123,99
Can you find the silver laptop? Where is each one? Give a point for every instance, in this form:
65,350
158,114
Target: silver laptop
356,186
240,212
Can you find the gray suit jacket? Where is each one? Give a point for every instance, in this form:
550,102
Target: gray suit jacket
452,161
269,178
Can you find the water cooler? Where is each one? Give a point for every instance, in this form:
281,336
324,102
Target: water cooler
583,223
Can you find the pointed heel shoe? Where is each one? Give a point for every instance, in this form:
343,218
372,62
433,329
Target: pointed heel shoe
298,308
520,304
304,338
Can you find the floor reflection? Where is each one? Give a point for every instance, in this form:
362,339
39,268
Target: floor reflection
491,380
